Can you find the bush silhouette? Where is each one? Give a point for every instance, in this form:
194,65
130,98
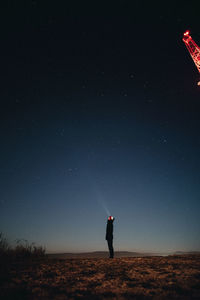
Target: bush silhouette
22,249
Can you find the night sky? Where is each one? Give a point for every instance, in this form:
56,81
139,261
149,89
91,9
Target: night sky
100,113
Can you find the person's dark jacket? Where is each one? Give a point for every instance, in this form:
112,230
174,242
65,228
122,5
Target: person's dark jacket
109,230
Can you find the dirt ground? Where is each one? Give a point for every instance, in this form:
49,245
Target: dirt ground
170,277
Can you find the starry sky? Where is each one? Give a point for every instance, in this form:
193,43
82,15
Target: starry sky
100,115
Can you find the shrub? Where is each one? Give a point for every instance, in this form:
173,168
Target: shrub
23,249
4,245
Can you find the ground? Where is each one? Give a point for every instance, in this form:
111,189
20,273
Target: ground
170,277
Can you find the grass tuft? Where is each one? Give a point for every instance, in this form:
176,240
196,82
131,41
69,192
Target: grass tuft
22,249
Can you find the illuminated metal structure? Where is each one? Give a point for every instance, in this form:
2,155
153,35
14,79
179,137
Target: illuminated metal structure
193,49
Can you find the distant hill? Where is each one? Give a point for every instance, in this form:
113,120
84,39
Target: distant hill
101,254
186,252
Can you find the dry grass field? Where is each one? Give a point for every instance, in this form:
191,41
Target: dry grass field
170,277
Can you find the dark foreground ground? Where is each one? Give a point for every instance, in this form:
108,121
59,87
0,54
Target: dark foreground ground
171,277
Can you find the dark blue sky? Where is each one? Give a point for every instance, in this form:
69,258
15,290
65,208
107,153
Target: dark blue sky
100,112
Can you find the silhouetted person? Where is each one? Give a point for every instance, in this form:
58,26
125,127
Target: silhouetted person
109,235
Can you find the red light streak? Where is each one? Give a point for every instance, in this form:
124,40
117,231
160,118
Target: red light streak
193,49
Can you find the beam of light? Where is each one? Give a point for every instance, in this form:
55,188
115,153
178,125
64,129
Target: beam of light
98,193
106,209
104,206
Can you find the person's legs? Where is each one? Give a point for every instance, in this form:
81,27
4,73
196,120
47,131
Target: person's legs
110,247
